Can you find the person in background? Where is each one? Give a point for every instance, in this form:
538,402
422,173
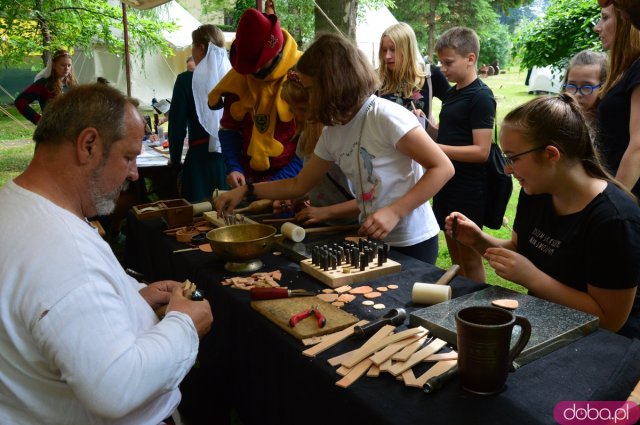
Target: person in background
54,80
630,9
257,126
332,200
466,126
191,66
405,79
191,63
586,72
394,167
606,26
618,115
203,169
81,341
576,235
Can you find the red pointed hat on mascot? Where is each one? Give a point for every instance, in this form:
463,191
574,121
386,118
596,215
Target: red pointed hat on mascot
258,40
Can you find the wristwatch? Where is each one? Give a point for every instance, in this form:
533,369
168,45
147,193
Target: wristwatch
250,196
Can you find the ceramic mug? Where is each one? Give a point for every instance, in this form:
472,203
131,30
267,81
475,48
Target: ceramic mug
484,354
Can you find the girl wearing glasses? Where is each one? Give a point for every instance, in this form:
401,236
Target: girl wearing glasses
576,235
618,116
587,71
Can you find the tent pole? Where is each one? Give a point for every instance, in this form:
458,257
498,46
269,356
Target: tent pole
127,64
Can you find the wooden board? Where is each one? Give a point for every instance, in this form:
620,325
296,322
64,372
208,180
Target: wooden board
337,278
279,311
212,217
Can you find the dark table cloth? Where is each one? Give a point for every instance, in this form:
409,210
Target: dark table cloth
248,363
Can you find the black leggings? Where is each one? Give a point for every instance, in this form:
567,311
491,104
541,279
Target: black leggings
426,251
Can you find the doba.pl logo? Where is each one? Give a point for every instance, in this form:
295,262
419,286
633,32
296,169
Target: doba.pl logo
596,413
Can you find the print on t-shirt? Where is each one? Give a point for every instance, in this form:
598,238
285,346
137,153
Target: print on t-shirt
543,242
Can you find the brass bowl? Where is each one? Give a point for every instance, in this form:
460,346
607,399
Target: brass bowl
241,245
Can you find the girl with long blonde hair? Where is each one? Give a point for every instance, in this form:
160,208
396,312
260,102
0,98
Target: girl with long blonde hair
404,76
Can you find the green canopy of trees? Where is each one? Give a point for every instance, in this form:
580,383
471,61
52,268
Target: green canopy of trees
553,39
430,18
38,27
300,17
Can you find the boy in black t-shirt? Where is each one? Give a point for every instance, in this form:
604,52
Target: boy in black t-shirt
466,123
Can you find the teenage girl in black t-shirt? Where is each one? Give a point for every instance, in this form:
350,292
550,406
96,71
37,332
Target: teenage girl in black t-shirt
576,236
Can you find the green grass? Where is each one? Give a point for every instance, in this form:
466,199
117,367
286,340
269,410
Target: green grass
509,91
16,148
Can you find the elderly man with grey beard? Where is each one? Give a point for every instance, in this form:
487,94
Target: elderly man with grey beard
80,342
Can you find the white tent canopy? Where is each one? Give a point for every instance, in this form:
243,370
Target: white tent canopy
545,80
151,76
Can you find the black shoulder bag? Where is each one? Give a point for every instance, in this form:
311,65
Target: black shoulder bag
500,186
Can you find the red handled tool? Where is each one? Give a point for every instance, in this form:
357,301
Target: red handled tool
273,293
322,321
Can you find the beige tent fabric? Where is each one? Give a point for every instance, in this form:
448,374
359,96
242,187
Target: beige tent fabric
152,76
145,4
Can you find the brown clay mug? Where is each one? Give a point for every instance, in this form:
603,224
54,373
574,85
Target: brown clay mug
484,338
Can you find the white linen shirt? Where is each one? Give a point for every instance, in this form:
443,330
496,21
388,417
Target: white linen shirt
78,344
379,173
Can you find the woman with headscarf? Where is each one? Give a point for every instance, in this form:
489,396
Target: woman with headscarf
52,81
203,169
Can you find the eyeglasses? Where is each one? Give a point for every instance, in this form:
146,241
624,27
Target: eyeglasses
585,90
509,159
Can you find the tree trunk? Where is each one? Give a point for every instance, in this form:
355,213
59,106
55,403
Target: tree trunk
44,29
431,25
341,12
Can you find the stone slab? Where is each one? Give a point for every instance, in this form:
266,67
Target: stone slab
552,325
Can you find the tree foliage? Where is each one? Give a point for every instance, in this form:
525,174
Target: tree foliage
299,17
430,18
39,27
566,29
495,44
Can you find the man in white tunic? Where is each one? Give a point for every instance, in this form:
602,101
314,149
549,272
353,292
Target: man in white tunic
80,342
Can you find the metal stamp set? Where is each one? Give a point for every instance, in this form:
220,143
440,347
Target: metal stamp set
348,261
349,253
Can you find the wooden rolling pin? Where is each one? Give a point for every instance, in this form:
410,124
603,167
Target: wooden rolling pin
202,207
206,206
297,233
259,206
256,207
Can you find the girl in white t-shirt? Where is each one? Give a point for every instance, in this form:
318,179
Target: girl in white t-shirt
393,165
